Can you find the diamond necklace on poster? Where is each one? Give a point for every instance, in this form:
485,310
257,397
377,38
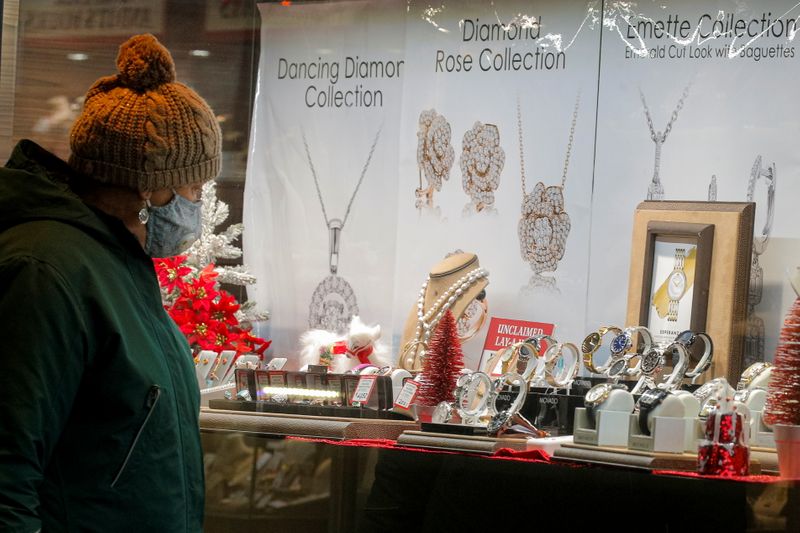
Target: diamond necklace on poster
544,226
334,302
655,191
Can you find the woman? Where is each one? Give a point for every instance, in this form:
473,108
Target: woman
98,400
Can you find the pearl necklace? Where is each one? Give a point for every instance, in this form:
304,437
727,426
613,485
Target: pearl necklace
427,321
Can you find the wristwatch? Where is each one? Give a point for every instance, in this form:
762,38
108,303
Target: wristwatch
709,394
651,363
675,378
688,338
676,284
443,413
623,342
502,422
751,373
470,390
595,397
709,388
555,353
619,365
743,395
510,378
649,400
529,350
592,343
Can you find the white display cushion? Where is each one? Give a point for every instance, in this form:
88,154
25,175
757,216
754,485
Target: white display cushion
619,400
671,407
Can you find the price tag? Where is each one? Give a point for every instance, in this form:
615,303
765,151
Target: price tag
277,379
407,394
363,389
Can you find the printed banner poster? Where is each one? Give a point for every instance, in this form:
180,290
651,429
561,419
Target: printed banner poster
698,102
319,209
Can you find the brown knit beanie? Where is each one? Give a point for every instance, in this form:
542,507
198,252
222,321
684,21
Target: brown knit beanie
142,129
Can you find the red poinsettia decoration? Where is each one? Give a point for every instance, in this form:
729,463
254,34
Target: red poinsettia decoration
204,313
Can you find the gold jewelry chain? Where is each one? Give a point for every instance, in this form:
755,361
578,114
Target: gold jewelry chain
672,119
569,145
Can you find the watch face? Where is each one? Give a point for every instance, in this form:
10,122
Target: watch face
650,362
676,285
590,343
475,394
497,422
525,351
617,367
620,343
652,397
597,393
441,414
685,337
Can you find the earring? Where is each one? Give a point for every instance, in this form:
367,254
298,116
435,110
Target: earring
482,161
144,213
435,155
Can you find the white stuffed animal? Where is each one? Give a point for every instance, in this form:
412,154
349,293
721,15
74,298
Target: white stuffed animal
341,353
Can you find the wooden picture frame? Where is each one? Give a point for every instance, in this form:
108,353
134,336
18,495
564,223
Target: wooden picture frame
722,233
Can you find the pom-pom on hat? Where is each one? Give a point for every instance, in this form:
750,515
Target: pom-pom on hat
142,129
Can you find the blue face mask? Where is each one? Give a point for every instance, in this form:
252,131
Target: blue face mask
172,228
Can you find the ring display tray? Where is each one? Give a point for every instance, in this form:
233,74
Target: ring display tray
634,459
326,427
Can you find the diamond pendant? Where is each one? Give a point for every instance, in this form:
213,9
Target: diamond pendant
333,303
655,191
543,228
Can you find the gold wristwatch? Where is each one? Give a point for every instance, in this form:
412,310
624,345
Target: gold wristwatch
592,343
667,297
751,373
676,284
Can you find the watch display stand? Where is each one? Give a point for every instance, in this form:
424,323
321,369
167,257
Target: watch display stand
669,435
760,435
611,428
551,411
399,377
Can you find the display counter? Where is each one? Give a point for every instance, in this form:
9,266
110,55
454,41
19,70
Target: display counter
260,476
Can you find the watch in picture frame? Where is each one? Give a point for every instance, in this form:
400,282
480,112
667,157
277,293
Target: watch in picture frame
676,275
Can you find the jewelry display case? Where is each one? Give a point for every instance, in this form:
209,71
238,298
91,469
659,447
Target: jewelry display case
259,480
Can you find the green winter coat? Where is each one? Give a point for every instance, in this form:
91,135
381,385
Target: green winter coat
99,404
